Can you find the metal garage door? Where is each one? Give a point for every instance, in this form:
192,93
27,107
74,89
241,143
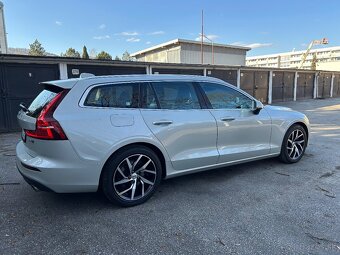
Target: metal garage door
305,86
73,71
283,86
256,84
229,76
336,85
20,84
177,71
3,126
324,85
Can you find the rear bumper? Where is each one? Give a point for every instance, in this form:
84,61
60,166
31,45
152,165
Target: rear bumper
58,174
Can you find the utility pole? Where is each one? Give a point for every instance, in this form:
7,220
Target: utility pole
202,33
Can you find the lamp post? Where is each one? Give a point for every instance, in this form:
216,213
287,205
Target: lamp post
212,47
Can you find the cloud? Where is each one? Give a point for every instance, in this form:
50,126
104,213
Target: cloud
211,37
102,26
128,33
157,33
148,42
58,23
133,39
252,45
101,37
258,45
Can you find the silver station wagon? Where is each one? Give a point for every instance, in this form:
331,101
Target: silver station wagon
124,134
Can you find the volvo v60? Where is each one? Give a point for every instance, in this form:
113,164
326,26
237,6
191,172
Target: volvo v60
124,134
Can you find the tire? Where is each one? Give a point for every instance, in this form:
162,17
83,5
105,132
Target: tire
132,176
294,144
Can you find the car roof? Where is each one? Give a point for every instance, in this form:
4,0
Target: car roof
69,83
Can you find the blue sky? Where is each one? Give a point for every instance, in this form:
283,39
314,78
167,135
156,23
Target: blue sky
116,26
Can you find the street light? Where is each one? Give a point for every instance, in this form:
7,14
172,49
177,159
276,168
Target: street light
212,47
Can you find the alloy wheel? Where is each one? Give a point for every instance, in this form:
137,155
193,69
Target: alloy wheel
295,144
134,177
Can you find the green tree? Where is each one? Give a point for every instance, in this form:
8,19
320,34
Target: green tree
117,58
126,56
104,55
313,64
36,49
85,55
71,53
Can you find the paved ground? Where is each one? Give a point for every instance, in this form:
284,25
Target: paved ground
264,207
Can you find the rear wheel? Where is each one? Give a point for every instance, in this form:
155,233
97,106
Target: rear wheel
132,176
294,144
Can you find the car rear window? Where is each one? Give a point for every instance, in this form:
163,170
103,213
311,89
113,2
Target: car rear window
115,95
40,102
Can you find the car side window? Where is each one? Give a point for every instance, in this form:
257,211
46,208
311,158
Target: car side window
176,95
224,97
149,97
115,95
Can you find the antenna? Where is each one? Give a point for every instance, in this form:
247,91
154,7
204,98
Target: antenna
202,33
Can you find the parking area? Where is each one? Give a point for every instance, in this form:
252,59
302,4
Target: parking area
263,207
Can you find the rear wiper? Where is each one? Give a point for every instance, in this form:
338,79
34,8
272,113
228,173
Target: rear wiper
24,108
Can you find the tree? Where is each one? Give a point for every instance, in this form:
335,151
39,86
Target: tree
313,64
126,56
36,49
117,58
104,55
71,53
85,55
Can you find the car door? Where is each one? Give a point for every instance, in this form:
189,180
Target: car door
242,134
172,111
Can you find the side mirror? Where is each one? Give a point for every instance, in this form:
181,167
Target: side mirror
258,106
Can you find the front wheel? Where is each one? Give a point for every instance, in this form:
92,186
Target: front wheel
132,176
294,144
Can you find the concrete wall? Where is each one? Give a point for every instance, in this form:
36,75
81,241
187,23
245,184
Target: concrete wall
3,39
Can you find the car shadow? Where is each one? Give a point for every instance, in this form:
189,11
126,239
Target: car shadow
97,201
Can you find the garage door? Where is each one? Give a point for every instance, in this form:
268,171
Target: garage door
229,76
324,85
73,71
283,86
177,71
305,86
20,85
255,83
336,85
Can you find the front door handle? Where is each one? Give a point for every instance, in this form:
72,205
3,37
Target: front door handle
162,122
227,118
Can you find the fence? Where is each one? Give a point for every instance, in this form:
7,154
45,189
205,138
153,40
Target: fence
19,76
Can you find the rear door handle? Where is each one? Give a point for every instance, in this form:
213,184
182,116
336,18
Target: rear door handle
162,122
227,118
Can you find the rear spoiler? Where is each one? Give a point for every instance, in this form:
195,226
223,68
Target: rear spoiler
64,84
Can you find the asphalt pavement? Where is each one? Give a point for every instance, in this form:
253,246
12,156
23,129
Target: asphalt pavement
263,207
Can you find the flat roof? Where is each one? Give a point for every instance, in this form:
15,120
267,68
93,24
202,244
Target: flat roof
178,41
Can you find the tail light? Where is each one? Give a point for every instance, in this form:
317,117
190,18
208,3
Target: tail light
47,127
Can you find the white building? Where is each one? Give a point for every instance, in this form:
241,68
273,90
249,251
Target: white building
3,35
326,59
189,52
